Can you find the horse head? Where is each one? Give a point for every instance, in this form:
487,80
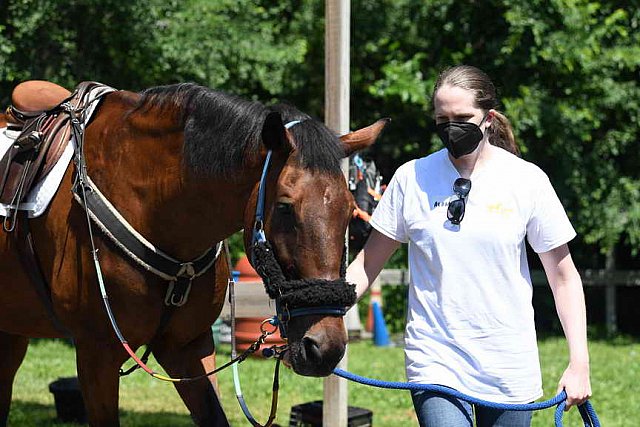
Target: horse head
304,207
306,213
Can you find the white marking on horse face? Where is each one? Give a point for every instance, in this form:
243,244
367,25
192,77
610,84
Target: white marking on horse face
325,198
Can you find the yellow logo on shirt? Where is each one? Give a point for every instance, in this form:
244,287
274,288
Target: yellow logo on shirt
499,209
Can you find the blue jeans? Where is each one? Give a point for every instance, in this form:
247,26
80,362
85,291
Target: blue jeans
437,410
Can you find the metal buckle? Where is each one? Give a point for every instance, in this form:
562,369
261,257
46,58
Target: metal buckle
187,271
66,106
272,321
258,232
170,297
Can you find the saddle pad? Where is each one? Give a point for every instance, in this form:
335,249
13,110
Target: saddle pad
39,198
42,193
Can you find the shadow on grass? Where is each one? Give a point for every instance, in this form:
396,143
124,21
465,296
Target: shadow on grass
28,414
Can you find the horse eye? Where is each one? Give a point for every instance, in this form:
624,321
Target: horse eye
284,208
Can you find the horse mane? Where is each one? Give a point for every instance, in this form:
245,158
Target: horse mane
222,130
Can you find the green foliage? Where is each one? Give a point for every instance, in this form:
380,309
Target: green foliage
71,41
577,110
242,46
236,246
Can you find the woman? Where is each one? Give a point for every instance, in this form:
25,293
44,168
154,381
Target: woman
465,212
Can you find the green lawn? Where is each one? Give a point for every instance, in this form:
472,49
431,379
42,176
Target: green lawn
145,401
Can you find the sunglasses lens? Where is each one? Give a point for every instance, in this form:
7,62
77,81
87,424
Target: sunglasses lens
462,186
455,211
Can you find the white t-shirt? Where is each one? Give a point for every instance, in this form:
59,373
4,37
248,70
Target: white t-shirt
470,322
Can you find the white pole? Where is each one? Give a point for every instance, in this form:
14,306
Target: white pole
336,98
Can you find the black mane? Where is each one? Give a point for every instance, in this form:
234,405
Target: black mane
222,130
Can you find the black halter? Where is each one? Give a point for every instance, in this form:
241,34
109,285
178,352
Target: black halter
294,298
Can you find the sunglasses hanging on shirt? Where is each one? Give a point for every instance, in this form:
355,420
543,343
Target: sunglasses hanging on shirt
455,211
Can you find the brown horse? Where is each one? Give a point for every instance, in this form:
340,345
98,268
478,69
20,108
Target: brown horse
181,164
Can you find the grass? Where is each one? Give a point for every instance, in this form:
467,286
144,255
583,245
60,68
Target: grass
145,401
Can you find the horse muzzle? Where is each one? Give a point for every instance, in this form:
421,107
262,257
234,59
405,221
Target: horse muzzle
316,352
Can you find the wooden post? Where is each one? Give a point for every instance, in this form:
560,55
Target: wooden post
610,309
610,294
336,77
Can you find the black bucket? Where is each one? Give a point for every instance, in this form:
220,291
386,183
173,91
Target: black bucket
310,415
68,399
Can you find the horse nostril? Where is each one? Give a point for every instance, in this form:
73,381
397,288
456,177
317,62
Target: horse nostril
311,350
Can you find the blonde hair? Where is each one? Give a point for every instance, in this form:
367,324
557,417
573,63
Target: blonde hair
470,78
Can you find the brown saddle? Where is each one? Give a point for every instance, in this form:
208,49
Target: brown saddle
38,96
31,98
43,113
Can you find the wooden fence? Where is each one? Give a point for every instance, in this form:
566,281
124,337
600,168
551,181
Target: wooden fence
607,279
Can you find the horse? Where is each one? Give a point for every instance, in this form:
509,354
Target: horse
182,164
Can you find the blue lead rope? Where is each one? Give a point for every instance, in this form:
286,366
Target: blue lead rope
587,412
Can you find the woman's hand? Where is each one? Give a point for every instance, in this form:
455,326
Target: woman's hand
575,382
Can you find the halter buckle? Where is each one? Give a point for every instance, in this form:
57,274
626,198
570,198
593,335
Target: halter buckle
258,231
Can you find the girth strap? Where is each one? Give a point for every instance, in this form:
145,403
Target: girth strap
31,264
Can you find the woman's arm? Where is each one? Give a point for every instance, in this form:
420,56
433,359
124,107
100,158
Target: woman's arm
566,286
364,269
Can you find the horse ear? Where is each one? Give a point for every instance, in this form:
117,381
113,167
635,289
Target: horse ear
274,135
362,138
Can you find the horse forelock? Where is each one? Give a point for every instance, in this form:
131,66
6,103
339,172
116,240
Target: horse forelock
222,131
319,149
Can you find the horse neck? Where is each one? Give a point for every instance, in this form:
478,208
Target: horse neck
198,210
139,164
140,169
227,203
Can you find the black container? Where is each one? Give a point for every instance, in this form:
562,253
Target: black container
310,414
68,399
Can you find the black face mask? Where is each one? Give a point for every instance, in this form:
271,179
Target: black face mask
460,138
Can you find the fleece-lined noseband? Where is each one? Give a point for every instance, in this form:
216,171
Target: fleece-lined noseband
299,297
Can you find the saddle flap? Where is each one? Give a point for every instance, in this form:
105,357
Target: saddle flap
22,162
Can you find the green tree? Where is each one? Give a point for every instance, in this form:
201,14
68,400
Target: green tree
576,105
241,46
71,41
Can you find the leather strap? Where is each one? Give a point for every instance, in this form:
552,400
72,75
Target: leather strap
123,235
167,313
31,264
